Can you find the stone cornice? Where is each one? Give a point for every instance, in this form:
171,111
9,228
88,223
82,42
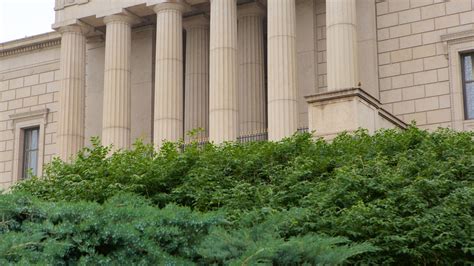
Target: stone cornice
451,37
28,44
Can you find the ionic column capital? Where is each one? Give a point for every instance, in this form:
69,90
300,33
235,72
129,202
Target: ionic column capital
198,21
254,9
167,5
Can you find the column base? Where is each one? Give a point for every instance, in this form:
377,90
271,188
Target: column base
346,110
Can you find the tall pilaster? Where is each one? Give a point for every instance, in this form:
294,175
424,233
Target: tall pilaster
341,28
223,100
252,100
70,136
168,114
282,90
197,76
117,83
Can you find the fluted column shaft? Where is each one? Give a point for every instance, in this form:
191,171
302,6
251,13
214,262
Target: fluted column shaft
223,100
168,114
117,83
197,76
70,136
282,90
252,101
341,28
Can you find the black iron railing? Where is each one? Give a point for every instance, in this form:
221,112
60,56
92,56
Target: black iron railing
250,137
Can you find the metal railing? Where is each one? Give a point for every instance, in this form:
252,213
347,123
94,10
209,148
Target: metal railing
245,138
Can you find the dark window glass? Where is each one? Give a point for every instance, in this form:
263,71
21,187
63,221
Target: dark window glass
467,61
30,152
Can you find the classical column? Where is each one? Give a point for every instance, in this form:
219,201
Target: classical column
341,29
252,101
196,91
223,100
70,136
168,114
117,84
282,90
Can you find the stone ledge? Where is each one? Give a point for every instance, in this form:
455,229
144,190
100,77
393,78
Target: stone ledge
333,112
27,44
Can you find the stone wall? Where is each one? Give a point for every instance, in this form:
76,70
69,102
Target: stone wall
413,62
29,81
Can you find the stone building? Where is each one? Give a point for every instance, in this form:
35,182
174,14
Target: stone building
238,69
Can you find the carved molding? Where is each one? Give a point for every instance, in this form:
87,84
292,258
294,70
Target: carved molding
61,4
30,47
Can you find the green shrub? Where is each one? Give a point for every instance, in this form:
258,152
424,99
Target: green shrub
409,193
127,230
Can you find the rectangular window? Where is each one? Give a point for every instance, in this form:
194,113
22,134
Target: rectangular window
467,62
30,152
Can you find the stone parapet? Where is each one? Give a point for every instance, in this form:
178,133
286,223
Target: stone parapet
347,110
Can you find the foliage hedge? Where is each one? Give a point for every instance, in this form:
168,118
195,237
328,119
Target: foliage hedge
128,230
410,194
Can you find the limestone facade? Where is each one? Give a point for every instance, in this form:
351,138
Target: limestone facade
240,70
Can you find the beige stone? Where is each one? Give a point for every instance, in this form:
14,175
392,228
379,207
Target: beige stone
435,62
458,6
168,118
389,70
31,80
223,80
397,5
70,134
197,77
439,88
400,30
117,82
438,116
423,26
282,90
404,107
410,15
424,51
418,3
412,66
402,81
387,20
388,45
432,11
391,96
447,21
410,41
252,104
426,77
401,55
426,104
416,92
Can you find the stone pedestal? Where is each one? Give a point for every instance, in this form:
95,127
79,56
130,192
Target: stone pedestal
252,102
333,112
223,100
70,136
196,107
341,30
282,90
168,121
117,84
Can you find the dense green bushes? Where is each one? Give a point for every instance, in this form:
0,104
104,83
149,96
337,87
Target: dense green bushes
127,230
410,194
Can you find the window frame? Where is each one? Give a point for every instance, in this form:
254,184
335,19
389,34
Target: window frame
26,151
464,82
20,122
455,44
